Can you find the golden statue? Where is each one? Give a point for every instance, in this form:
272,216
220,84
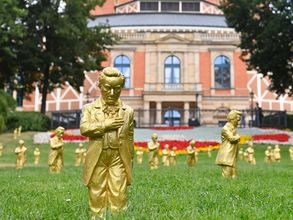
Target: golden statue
37,155
15,133
79,154
277,153
291,152
173,155
191,151
268,155
139,154
251,154
165,155
228,152
19,130
20,152
210,149
1,149
56,157
109,124
240,154
154,147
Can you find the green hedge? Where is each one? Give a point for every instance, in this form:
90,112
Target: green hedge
30,121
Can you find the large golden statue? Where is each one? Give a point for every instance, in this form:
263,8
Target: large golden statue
251,154
291,152
191,154
173,155
165,155
1,149
268,155
154,147
227,155
37,155
277,153
109,124
139,155
20,152
56,157
79,154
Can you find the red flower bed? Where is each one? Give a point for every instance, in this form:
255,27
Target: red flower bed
274,137
172,128
181,145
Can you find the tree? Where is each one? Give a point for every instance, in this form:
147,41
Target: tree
11,30
59,45
7,104
266,28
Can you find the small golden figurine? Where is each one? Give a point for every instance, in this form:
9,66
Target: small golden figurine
139,155
210,149
251,154
165,155
37,155
109,124
277,153
19,130
291,152
173,155
154,147
191,151
240,154
245,155
20,152
56,155
15,133
79,154
228,152
268,155
1,149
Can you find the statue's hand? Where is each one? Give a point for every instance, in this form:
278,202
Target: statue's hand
113,123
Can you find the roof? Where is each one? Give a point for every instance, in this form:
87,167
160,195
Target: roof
160,19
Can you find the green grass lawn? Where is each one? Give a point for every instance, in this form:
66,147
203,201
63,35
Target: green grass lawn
259,192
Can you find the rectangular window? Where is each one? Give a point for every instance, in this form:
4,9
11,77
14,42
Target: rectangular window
149,6
190,6
170,6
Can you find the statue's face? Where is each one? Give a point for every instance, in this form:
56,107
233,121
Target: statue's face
236,120
59,134
111,89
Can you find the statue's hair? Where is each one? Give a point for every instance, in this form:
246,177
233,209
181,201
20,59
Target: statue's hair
60,130
110,72
232,114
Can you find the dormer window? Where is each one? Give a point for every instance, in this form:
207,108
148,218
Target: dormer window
169,6
149,6
190,6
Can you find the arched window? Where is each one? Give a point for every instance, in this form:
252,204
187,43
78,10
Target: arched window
222,70
172,70
122,63
172,117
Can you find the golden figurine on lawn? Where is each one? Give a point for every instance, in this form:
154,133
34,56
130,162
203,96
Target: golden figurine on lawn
109,124
56,155
277,153
37,155
1,149
228,152
173,155
251,154
191,154
268,155
154,147
20,152
139,155
165,155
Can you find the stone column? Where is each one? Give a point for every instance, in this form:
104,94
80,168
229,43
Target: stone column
159,113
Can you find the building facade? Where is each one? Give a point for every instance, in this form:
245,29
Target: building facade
177,57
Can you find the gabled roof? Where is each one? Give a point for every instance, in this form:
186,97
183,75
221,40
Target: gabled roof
160,19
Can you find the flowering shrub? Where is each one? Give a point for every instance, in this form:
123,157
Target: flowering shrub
274,137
